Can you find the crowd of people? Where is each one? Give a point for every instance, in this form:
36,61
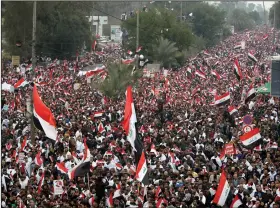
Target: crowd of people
183,132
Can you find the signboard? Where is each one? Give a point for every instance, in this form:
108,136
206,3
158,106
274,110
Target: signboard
229,149
58,187
116,33
275,76
153,68
243,44
247,129
15,60
165,72
21,157
247,120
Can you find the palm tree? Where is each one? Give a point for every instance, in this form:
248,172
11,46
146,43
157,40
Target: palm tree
165,52
118,78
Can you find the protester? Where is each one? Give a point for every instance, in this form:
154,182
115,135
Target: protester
179,120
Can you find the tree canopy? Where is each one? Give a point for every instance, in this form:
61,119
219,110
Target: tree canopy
207,21
271,15
241,20
62,28
153,25
165,52
119,77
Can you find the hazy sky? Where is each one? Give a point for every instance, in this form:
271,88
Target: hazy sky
267,4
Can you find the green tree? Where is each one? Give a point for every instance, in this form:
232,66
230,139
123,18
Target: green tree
155,24
62,27
207,21
227,7
277,17
241,20
256,17
119,77
251,7
165,52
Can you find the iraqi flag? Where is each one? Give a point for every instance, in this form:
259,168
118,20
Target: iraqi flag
250,137
38,159
200,74
265,37
232,110
127,61
93,45
214,73
98,114
21,83
61,167
129,52
110,201
130,118
222,191
95,71
223,99
236,202
237,70
43,117
41,182
138,49
142,170
91,201
160,202
252,57
83,167
206,53
250,94
239,46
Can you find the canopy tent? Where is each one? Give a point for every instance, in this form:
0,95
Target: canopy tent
265,89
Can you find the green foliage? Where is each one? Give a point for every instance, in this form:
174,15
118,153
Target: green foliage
241,20
256,17
155,24
207,21
119,77
251,7
198,45
271,14
165,52
62,27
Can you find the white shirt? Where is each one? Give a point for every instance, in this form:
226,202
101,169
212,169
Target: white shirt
78,134
80,146
6,122
24,183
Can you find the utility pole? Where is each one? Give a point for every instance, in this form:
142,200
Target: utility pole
97,30
264,17
274,23
34,60
137,37
181,11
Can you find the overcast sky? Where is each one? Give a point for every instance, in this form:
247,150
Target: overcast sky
267,4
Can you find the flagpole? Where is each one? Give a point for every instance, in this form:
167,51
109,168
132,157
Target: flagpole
137,37
33,70
274,23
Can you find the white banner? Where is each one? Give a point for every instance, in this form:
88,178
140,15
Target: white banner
243,44
58,187
77,86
